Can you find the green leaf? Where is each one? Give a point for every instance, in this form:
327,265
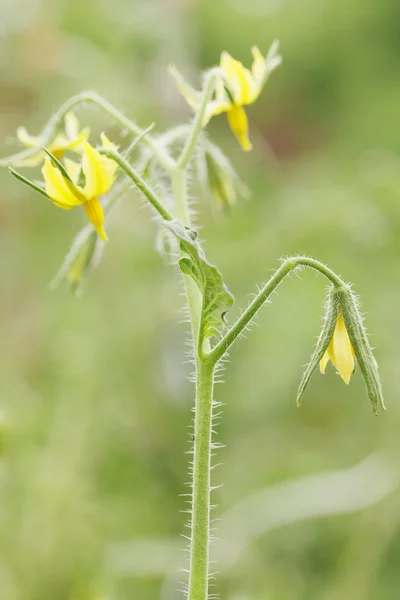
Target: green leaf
217,299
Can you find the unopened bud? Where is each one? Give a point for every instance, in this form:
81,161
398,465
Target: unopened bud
343,340
353,320
219,178
83,256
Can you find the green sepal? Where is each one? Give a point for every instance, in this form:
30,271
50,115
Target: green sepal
74,189
31,184
217,300
83,256
332,308
353,320
58,164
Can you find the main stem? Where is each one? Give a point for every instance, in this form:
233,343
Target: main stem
200,522
200,529
201,487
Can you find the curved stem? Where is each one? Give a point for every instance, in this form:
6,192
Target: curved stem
289,265
90,97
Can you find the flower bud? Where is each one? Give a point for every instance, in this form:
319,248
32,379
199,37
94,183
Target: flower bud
353,320
219,178
330,319
84,254
343,340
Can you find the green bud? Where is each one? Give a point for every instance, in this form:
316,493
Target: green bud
353,320
219,178
343,338
332,308
83,256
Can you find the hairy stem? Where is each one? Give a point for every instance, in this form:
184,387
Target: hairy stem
54,122
199,556
179,190
289,265
139,182
200,524
190,145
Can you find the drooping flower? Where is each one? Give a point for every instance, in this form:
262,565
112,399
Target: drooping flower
340,351
82,184
72,138
219,178
237,87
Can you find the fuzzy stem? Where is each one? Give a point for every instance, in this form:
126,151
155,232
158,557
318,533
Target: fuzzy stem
200,534
190,145
179,190
200,525
289,265
90,97
138,181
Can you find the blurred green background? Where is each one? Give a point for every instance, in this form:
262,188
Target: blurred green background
95,401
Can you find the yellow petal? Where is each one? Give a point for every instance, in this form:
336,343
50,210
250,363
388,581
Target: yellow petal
73,169
239,80
71,125
191,96
99,172
273,59
259,67
26,139
106,142
77,143
326,357
95,214
215,108
58,188
32,161
343,350
238,122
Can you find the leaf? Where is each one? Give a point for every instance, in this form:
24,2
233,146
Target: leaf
217,299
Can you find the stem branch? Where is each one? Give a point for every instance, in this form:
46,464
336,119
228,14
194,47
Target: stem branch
289,265
50,129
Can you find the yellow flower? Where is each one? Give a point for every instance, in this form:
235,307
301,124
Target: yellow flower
236,88
98,173
340,351
71,139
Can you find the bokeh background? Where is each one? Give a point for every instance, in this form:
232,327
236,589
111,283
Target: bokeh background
95,401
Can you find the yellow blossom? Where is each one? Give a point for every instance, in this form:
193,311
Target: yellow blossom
340,351
98,174
72,138
236,88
